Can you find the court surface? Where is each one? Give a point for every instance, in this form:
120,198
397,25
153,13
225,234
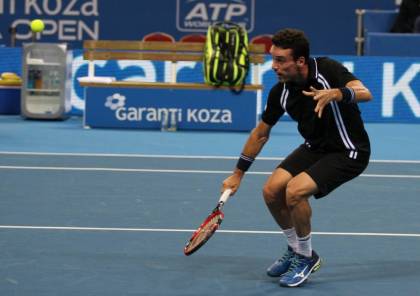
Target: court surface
107,212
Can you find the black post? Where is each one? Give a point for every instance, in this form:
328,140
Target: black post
12,32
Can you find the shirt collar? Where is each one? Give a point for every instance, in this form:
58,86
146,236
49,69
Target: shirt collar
312,70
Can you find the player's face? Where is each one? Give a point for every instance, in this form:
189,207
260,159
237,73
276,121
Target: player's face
286,68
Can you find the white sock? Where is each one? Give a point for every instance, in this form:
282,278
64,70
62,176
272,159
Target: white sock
304,246
291,238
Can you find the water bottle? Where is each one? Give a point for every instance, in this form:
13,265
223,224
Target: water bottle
164,122
173,124
31,79
47,80
38,79
57,79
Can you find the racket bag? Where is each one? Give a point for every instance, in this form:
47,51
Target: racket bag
226,56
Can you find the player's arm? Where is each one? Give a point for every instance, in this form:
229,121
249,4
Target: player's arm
361,92
256,140
353,92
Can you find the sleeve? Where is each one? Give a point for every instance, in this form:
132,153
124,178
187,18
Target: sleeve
337,74
273,110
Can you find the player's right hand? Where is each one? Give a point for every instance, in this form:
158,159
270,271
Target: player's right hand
233,181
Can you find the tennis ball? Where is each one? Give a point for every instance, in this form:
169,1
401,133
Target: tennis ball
37,25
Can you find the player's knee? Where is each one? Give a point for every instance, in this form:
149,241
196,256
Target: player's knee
294,194
270,194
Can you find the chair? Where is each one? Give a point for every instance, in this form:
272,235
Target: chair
372,21
193,38
159,36
263,39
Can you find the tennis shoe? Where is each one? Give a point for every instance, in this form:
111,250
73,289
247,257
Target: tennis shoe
300,269
281,266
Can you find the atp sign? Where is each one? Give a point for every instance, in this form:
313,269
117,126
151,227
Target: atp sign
197,15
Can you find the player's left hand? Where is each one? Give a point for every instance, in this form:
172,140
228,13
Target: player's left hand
322,96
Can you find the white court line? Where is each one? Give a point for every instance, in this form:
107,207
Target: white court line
68,228
50,168
171,171
174,156
123,155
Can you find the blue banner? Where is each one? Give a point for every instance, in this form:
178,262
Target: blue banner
394,82
169,108
395,85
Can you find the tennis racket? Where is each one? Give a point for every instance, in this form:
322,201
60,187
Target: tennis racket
208,227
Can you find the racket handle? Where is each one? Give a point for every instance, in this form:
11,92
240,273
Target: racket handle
225,195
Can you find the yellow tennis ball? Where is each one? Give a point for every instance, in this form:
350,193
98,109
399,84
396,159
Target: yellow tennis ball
37,25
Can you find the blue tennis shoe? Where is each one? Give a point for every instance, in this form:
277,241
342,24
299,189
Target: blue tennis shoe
281,266
300,269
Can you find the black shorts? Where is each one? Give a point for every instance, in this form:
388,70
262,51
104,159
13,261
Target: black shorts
328,169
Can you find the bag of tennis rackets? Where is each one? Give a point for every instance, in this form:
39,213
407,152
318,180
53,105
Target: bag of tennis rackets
226,56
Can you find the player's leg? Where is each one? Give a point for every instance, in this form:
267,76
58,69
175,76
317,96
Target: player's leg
274,193
287,199
298,191
274,190
320,179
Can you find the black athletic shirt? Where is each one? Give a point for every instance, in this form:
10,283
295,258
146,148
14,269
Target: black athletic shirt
339,129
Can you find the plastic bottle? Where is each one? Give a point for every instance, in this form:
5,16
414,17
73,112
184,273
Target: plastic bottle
38,79
164,123
31,79
173,124
56,79
47,80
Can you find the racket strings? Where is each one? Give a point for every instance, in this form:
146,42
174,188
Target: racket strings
205,231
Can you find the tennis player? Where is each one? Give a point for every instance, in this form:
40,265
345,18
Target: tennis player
322,96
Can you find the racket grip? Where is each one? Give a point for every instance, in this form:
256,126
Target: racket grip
225,195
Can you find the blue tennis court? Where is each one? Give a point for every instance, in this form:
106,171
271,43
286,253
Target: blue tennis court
107,212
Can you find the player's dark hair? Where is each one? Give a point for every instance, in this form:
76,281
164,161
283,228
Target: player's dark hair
293,39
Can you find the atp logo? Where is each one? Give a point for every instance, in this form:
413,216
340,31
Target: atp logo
114,102
197,15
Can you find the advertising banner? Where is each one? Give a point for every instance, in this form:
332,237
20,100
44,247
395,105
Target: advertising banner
330,25
393,81
170,109
394,84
